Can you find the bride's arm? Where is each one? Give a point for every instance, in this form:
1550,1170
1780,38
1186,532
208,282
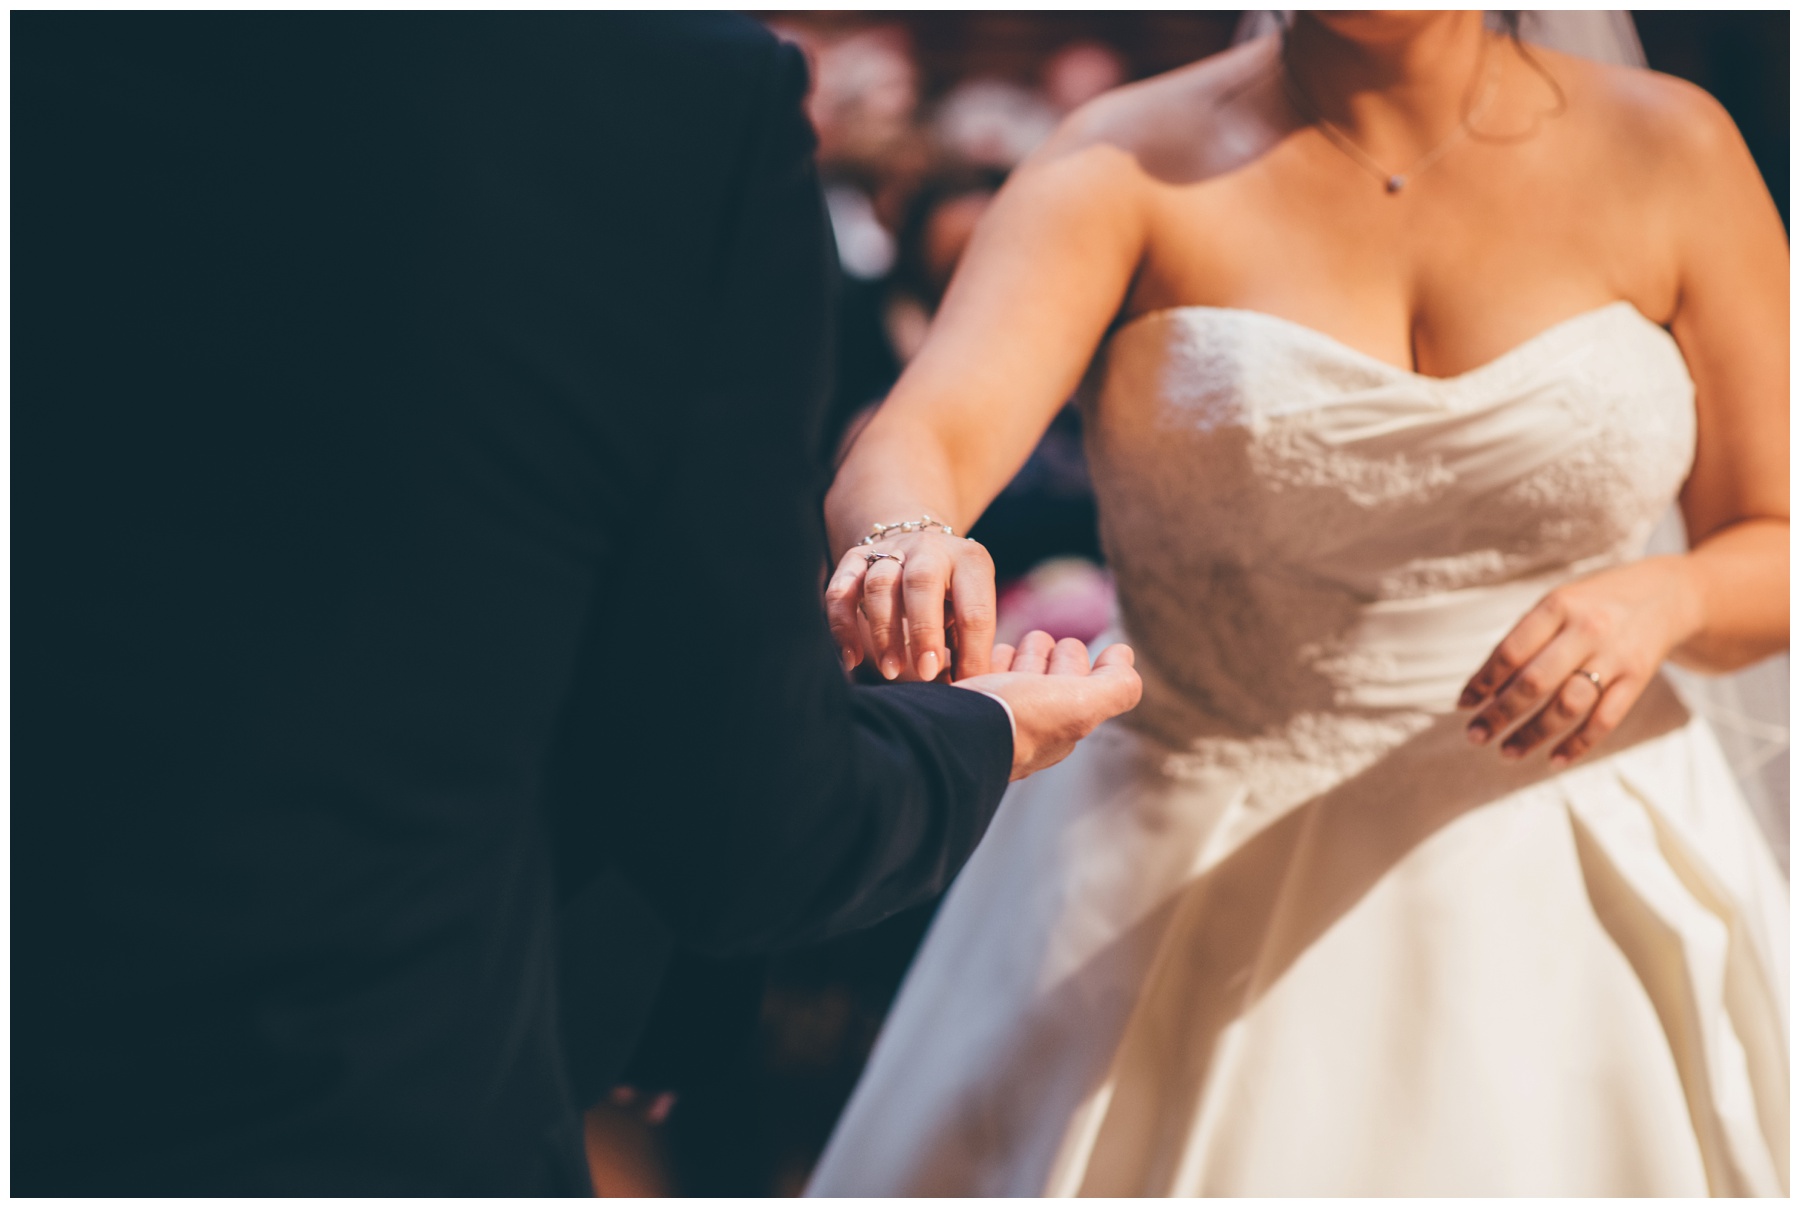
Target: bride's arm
1045,274
1724,603
1732,325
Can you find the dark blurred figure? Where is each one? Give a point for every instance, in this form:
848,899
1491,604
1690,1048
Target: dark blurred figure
395,397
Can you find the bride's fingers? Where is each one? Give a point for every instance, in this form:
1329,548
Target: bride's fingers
924,581
1568,706
1531,686
972,602
881,604
842,595
1033,655
1615,702
1530,635
1070,657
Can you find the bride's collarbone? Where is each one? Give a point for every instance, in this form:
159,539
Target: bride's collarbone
1437,283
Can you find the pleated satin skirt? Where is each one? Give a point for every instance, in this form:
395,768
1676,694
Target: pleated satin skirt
1440,975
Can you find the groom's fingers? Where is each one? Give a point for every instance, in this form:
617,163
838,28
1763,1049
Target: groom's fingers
1002,660
1033,655
1118,680
1116,655
1070,657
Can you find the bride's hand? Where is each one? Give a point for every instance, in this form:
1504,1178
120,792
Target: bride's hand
1577,662
902,598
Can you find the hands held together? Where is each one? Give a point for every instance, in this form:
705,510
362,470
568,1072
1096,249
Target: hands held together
1055,696
886,601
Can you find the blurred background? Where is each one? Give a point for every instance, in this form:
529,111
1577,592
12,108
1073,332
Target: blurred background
920,115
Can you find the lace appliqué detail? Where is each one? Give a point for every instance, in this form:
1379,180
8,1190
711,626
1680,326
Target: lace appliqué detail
1268,497
1290,455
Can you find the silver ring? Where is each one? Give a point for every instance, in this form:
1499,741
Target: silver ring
1598,686
872,559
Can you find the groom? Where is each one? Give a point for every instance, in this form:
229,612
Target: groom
419,620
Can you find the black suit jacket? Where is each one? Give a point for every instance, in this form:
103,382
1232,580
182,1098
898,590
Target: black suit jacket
417,533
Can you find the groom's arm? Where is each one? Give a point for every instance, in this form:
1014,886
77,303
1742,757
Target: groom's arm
771,802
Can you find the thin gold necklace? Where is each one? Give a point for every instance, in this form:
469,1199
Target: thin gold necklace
1393,181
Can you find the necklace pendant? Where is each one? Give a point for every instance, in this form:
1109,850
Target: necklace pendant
1395,183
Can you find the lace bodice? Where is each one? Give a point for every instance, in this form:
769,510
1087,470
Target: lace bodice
1306,537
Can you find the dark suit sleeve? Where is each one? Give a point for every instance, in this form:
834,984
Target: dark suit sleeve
771,802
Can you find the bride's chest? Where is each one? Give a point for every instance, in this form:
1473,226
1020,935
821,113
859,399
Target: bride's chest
1440,281
1237,435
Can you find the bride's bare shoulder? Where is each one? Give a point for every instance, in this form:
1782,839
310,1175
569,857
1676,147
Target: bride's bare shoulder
1178,126
1645,121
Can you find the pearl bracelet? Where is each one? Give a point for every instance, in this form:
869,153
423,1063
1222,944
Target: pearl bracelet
878,531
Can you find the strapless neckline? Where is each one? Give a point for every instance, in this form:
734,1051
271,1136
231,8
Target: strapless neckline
1530,344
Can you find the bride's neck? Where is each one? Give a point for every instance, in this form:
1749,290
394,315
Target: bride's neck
1388,85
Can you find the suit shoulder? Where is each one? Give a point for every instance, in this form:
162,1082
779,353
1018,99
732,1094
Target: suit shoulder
707,51
715,37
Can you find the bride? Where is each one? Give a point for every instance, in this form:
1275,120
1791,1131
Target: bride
1411,875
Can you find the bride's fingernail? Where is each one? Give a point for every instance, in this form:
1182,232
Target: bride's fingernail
1478,733
849,659
1559,760
928,666
890,667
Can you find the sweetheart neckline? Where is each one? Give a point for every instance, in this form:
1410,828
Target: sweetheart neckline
1510,354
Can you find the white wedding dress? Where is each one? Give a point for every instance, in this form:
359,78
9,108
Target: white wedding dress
1282,930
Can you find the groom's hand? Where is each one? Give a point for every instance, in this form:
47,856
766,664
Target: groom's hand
1056,698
